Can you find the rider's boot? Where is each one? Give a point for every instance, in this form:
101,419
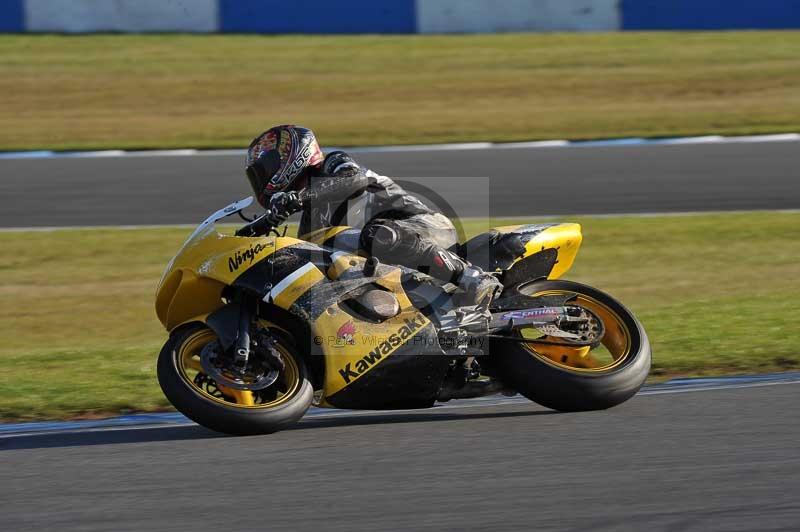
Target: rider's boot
480,288
477,286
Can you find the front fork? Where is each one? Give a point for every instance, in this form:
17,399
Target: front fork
241,353
232,325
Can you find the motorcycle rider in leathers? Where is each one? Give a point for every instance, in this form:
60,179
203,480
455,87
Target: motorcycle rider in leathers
289,173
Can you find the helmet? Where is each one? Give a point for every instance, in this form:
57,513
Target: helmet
279,157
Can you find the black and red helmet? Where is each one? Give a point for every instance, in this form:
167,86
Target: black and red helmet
279,157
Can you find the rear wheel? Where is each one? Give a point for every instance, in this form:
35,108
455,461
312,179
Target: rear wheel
225,409
555,374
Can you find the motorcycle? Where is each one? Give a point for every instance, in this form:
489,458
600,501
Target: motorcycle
262,325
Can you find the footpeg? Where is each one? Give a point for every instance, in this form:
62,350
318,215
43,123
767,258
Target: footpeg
473,319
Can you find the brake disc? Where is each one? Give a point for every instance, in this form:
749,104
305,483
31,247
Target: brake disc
255,377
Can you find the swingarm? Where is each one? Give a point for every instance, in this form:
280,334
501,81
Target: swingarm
573,324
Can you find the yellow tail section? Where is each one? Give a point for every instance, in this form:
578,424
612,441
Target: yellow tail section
564,238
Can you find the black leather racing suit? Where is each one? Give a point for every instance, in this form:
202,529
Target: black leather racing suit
396,227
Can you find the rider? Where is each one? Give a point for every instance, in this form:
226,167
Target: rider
288,172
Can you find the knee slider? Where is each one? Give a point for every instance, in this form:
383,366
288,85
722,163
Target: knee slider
379,238
392,242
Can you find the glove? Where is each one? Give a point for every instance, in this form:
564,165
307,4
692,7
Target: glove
282,205
340,164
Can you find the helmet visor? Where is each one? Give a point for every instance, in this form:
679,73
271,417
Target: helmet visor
263,169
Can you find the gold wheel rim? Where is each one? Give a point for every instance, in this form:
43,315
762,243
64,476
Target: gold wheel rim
616,339
189,366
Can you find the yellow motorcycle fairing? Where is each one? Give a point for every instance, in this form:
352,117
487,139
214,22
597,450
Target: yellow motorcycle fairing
357,353
362,358
191,286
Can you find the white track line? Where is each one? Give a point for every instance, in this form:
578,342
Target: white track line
47,229
456,405
536,144
545,218
689,389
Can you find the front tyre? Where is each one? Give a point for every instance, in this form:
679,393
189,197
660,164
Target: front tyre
577,378
227,410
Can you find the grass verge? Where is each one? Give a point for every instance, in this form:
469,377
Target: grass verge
716,293
159,91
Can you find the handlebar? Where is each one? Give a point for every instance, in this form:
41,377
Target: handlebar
268,221
259,226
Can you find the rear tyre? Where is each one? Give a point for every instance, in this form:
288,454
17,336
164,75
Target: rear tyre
572,379
226,410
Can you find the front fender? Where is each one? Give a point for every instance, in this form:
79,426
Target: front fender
225,324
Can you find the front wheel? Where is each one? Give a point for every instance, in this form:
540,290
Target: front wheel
571,378
228,410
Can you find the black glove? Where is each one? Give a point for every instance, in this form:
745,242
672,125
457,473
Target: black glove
340,164
282,205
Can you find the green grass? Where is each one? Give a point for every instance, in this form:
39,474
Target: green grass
156,91
716,293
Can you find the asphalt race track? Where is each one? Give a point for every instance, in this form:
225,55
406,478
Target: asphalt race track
145,190
713,460
718,460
